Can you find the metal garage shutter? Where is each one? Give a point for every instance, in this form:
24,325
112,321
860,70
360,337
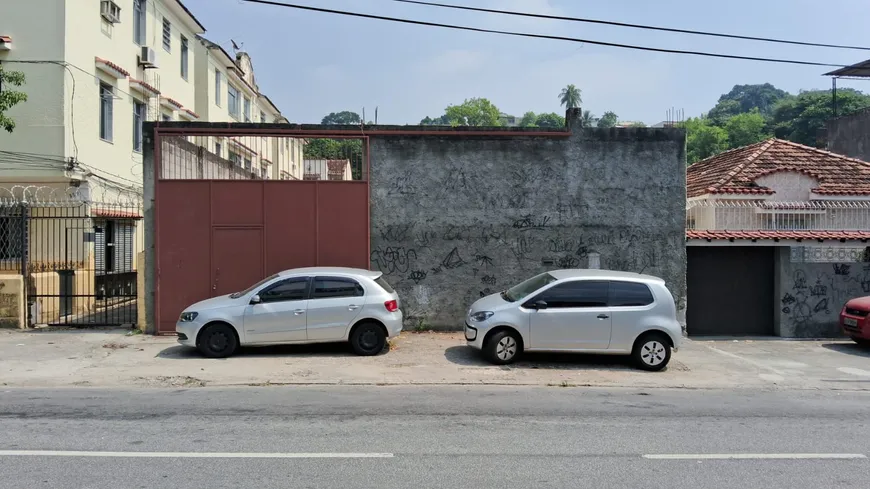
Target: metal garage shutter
124,246
100,247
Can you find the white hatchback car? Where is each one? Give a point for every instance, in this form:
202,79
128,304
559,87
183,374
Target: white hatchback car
303,305
589,311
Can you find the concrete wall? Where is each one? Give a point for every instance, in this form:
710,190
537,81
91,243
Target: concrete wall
454,218
850,135
13,311
811,295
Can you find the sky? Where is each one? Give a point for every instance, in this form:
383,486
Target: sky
311,63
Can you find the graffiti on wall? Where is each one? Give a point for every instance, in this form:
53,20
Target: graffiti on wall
815,294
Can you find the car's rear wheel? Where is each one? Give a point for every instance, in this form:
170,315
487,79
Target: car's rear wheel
862,341
652,352
503,347
217,341
368,339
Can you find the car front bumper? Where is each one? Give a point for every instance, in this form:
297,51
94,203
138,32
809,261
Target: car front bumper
187,332
473,336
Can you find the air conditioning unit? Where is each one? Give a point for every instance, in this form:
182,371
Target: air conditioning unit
110,11
148,57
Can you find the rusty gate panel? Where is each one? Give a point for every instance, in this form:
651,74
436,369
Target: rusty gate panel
183,262
339,216
233,205
284,248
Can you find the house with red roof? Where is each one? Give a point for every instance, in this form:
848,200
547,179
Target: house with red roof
776,234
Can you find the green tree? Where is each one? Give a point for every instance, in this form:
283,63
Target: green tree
529,120
570,97
609,119
473,112
586,119
8,97
439,121
743,98
552,120
747,128
345,117
800,118
703,139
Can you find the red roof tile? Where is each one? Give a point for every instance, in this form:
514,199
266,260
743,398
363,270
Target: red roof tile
739,168
145,86
777,235
5,38
173,102
112,65
100,212
192,113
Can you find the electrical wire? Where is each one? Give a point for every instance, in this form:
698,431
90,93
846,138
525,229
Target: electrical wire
633,26
542,36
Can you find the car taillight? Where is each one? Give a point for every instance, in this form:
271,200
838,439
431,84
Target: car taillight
391,306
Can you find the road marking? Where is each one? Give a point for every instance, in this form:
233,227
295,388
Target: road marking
747,360
750,456
74,453
771,377
855,371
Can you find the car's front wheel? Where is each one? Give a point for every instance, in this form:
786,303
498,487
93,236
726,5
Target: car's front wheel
368,339
503,347
217,341
652,352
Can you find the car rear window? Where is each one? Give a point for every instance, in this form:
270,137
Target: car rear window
384,285
629,294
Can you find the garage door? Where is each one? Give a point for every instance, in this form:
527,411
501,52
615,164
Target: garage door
730,291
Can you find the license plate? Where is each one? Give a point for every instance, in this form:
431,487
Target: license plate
850,321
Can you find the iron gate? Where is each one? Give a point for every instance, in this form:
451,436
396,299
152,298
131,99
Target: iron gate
77,258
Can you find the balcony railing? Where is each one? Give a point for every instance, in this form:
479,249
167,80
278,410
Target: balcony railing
777,216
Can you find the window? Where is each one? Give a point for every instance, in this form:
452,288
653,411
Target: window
250,289
167,35
138,118
247,164
235,158
139,22
629,294
218,150
166,117
107,100
332,288
292,289
217,87
184,55
262,116
247,109
580,293
520,291
233,100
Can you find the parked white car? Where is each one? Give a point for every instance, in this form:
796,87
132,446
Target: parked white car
589,311
303,305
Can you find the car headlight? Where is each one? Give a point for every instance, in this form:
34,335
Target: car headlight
188,316
480,316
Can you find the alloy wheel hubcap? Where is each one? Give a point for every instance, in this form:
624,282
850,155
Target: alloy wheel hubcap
218,342
653,353
506,348
368,339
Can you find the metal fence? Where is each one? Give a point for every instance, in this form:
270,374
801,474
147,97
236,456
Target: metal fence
75,252
778,216
236,156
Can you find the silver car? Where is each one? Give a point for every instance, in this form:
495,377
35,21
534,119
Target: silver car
303,305
589,311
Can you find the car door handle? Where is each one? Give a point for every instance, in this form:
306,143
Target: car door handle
299,312
603,316
352,307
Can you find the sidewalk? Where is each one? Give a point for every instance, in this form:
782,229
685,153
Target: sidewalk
58,358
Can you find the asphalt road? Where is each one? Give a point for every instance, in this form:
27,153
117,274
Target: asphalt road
415,437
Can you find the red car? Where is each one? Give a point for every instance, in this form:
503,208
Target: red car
854,320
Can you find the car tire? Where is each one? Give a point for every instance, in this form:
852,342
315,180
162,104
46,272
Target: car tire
217,341
652,352
862,342
368,339
503,347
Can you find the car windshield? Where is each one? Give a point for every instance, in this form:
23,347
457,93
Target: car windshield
521,290
236,295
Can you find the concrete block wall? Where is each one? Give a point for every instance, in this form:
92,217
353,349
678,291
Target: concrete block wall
810,295
456,217
850,135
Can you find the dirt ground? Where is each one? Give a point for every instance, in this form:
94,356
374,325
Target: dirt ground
112,358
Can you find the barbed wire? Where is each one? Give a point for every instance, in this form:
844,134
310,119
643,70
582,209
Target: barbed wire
48,196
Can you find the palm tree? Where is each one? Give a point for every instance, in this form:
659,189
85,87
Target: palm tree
570,97
587,118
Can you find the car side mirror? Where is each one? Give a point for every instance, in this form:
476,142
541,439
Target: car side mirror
255,299
537,305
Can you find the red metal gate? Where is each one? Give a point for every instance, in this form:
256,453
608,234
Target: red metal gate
233,206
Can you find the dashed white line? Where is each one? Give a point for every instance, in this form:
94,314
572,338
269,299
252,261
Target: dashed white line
75,453
754,456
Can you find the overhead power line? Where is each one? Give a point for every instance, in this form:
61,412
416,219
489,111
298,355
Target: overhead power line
542,36
634,26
